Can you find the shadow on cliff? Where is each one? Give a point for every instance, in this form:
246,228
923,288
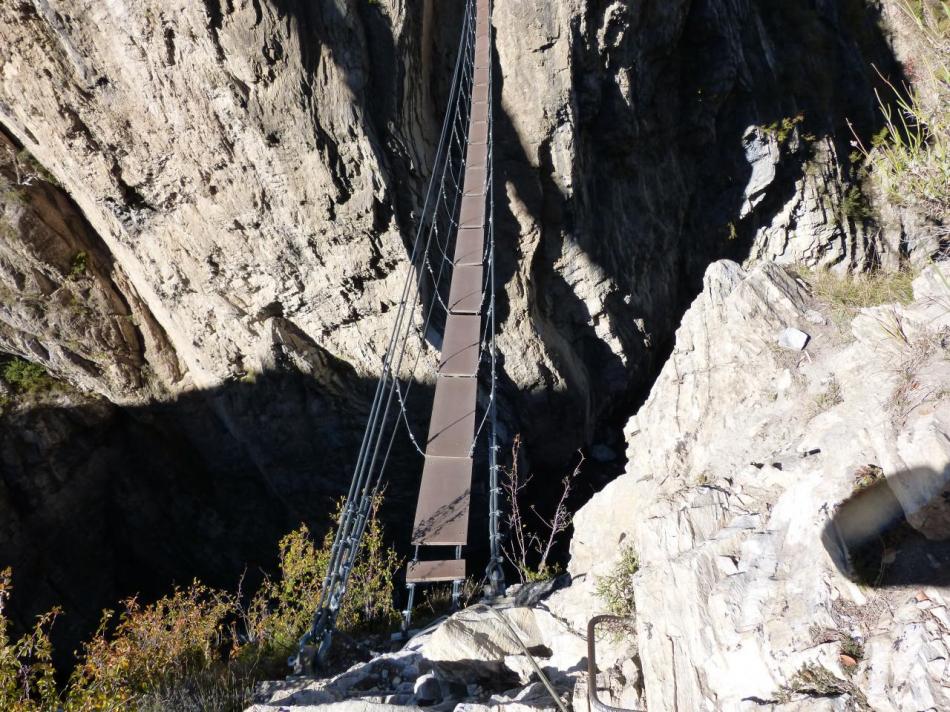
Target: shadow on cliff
664,157
661,176
99,502
895,532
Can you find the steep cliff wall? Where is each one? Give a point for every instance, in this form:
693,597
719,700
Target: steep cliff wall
231,185
251,167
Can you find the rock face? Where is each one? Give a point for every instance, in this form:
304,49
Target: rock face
212,229
745,501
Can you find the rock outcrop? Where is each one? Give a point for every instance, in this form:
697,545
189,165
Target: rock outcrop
743,463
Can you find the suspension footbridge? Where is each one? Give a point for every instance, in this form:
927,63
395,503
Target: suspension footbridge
450,282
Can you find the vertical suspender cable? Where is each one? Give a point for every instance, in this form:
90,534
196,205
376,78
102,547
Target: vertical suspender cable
495,573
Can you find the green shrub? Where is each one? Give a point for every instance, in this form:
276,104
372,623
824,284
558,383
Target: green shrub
615,589
783,129
852,647
855,205
26,377
79,264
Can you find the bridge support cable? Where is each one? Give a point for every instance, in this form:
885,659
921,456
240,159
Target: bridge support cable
494,573
376,447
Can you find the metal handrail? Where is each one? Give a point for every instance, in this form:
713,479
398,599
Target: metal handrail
593,702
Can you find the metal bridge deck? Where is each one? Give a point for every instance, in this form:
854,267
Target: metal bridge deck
435,571
442,513
442,510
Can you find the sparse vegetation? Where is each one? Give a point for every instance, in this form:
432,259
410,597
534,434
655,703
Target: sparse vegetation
615,590
27,677
529,546
783,129
910,157
198,648
851,647
814,680
865,476
437,600
855,205
846,294
907,393
828,398
79,264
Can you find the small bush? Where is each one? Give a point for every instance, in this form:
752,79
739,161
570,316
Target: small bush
281,610
26,377
79,264
783,129
852,647
615,589
814,680
855,205
27,677
828,398
163,646
865,476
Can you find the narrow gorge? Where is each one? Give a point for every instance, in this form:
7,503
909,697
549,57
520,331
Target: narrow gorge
206,212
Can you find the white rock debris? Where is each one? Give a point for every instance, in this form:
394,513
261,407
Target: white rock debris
791,338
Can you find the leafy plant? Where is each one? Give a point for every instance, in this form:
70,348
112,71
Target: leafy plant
27,677
79,264
280,612
783,129
164,645
25,376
